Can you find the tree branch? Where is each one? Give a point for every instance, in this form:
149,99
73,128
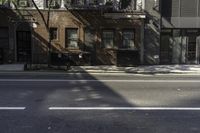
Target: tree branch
41,14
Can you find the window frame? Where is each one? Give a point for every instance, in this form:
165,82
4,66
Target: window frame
133,39
113,38
53,7
29,4
67,39
53,28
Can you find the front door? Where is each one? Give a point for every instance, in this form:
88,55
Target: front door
23,46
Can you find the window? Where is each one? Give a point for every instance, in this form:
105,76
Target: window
55,4
180,8
166,46
71,38
93,2
108,39
189,8
24,3
128,4
77,2
53,33
128,39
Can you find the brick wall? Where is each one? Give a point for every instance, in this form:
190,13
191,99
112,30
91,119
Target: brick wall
81,20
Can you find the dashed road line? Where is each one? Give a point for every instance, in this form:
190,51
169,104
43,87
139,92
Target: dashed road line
12,108
128,108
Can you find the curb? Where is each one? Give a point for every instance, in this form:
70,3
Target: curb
105,71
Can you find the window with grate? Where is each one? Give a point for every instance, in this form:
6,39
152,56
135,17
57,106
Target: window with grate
128,38
108,38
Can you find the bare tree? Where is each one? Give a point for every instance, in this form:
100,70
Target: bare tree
45,19
46,22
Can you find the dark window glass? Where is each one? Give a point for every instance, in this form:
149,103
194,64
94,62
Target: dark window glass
53,4
4,37
3,32
166,8
24,3
128,4
165,46
54,33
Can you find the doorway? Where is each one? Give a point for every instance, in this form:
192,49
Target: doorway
23,46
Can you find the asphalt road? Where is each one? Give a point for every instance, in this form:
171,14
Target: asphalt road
99,103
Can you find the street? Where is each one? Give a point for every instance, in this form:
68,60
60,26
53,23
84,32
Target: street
44,102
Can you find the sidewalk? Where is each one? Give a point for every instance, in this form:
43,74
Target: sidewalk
163,69
153,69
12,67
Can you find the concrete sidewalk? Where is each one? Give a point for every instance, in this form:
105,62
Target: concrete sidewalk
12,67
180,69
153,69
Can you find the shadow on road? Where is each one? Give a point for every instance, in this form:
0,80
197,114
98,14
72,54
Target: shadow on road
38,96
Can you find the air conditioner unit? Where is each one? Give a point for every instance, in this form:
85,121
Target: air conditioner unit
23,3
52,4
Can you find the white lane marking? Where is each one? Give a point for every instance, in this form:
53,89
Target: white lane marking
128,108
12,108
99,80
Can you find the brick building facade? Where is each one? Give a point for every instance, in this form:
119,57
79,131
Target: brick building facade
101,33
